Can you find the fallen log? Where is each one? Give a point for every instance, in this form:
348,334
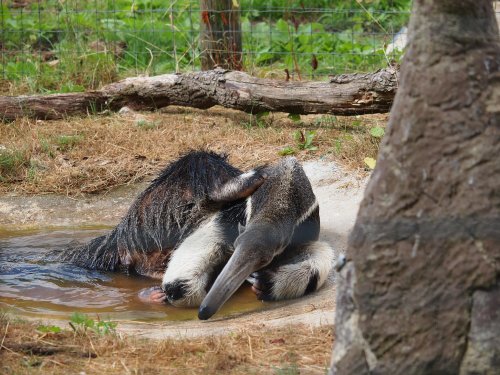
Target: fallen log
346,94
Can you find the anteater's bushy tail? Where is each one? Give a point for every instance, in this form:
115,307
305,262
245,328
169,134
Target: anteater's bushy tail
101,253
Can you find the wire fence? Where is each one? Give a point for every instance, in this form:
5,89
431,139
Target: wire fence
69,45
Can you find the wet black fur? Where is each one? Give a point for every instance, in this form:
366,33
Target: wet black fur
170,208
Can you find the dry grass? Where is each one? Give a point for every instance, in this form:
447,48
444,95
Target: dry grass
24,350
94,154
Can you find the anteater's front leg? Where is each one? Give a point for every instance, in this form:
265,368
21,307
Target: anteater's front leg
194,265
295,273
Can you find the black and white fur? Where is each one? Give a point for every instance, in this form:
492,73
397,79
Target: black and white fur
279,244
300,263
185,227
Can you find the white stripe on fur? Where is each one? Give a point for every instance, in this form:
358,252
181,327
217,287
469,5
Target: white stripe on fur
308,213
193,260
248,210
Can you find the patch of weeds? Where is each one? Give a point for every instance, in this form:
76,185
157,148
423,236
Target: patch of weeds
66,87
377,132
288,370
93,108
146,124
7,317
47,148
81,323
12,162
67,142
288,150
354,148
356,123
295,118
327,121
4,317
31,362
337,146
261,120
48,329
304,139
350,125
32,170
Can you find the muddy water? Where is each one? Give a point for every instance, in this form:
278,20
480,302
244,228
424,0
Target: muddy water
30,287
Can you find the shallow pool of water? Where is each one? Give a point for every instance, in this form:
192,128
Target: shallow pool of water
53,290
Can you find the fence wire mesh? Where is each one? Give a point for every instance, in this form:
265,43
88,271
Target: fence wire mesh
69,45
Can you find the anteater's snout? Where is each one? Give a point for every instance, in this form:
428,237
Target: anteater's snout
206,312
175,290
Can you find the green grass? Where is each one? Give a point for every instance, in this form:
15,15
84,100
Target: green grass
80,323
67,142
55,46
11,163
146,125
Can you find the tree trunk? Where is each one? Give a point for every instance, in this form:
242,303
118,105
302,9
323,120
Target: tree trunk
220,35
348,94
420,291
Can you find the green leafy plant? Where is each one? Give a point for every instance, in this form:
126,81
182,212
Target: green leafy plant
81,323
377,132
146,124
48,329
288,150
304,139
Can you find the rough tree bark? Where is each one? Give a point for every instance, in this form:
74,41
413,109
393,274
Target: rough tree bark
347,94
420,292
220,34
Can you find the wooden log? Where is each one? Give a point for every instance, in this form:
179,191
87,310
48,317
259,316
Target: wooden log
346,94
51,107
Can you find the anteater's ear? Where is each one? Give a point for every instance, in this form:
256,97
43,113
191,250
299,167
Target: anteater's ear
239,187
241,228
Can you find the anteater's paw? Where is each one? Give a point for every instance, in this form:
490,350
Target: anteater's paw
301,274
262,284
153,295
285,282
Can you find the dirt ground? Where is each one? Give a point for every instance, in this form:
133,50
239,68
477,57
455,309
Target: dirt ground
300,349
97,154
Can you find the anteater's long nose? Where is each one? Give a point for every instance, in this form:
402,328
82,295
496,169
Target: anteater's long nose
236,271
